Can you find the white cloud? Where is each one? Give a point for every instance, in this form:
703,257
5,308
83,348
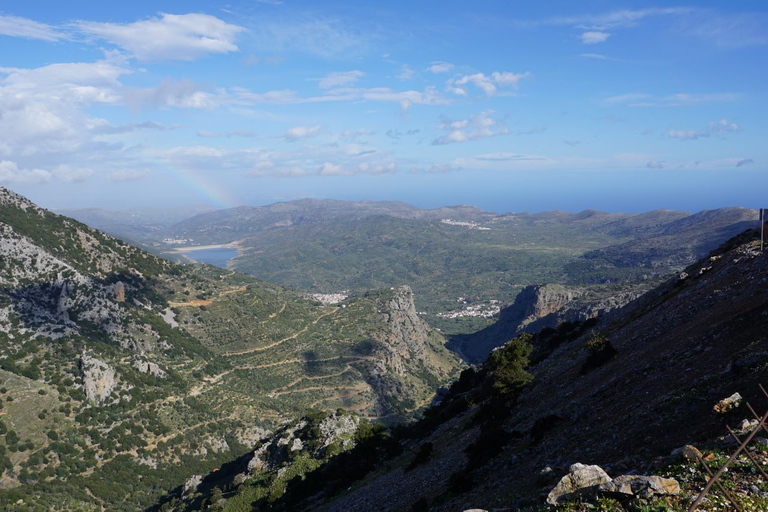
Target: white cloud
170,93
168,37
672,100
301,132
406,99
440,67
208,135
11,174
72,173
329,169
406,73
615,19
594,37
655,164
720,127
15,26
488,84
340,79
731,30
476,127
313,35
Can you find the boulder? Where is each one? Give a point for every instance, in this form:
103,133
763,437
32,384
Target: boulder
728,404
691,453
581,480
640,486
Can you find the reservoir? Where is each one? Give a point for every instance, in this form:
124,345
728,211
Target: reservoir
218,257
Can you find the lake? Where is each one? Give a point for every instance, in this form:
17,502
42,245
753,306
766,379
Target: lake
217,257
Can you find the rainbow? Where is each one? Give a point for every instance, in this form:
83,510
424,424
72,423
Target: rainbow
210,191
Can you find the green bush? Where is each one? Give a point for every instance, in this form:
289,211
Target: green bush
509,366
600,351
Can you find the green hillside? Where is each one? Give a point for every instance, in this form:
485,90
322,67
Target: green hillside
123,374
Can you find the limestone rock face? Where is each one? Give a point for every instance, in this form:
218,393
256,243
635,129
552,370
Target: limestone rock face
275,453
640,486
581,479
98,378
119,291
406,333
150,368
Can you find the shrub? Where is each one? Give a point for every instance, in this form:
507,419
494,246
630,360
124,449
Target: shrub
508,366
600,351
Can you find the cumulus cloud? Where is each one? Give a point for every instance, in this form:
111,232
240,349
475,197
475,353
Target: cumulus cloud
488,84
655,164
168,37
15,26
476,127
301,132
11,174
720,127
72,173
172,93
339,79
440,67
594,37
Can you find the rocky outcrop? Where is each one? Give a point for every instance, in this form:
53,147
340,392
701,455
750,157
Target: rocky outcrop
98,378
591,481
640,486
406,334
276,452
580,480
540,306
150,368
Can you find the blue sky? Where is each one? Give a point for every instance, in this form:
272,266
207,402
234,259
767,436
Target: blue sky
511,106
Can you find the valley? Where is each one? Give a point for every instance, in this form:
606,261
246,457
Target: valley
127,378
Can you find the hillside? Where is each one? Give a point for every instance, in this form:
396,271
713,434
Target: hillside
675,352
461,262
122,374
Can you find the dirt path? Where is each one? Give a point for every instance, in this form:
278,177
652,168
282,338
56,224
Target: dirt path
358,387
190,303
273,315
279,342
318,377
236,290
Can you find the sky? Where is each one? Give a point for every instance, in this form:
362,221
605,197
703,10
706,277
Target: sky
509,106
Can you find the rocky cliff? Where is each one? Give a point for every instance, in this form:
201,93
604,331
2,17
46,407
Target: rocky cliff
540,306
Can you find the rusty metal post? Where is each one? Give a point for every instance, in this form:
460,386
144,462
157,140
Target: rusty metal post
720,471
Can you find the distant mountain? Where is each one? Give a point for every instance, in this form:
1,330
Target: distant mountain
226,226
122,374
625,392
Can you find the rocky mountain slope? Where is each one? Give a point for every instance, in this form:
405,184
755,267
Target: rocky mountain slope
121,374
623,393
547,306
